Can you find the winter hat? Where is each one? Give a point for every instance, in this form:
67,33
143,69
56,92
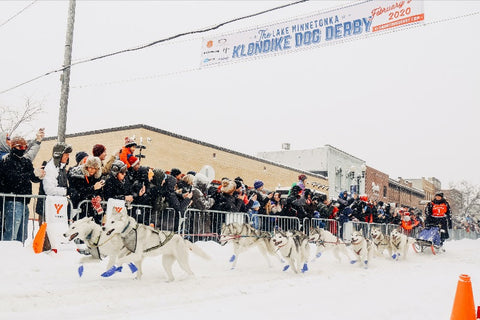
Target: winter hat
59,149
98,149
302,177
118,166
158,176
193,173
93,162
256,204
18,142
228,186
175,172
258,184
238,183
129,142
439,194
133,161
80,156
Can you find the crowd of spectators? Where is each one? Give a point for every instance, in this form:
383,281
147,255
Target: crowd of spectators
97,177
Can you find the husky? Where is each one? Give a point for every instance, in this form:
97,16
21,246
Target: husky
294,247
99,244
325,240
141,241
361,247
399,243
380,241
243,236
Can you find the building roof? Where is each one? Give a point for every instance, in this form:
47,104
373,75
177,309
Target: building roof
174,135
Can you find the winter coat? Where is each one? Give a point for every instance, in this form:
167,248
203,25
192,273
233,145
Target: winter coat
116,189
55,182
124,155
174,200
17,175
81,185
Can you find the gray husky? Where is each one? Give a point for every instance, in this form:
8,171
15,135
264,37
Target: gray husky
243,236
294,247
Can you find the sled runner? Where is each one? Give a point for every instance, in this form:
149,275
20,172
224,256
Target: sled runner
429,237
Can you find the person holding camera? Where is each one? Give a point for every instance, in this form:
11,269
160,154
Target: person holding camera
84,183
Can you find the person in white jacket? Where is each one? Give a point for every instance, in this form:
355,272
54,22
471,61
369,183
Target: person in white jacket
55,182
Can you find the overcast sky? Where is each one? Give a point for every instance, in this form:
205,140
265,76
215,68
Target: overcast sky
406,102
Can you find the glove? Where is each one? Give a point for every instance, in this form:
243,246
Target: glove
97,205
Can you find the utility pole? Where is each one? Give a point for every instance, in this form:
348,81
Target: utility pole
67,60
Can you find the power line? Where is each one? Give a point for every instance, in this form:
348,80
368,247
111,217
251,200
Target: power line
371,35
17,14
153,43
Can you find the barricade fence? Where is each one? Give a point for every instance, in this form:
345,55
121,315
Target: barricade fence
17,221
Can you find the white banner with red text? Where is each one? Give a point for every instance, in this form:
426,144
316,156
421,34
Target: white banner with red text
326,28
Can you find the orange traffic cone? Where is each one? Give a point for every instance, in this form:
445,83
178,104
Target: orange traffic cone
39,238
463,306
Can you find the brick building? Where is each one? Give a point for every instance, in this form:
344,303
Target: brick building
404,194
376,185
167,150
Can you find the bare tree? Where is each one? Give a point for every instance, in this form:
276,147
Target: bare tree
11,119
470,197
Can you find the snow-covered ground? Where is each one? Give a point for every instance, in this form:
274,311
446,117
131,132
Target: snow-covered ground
47,286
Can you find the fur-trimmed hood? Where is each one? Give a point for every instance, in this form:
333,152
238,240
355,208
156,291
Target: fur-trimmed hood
92,162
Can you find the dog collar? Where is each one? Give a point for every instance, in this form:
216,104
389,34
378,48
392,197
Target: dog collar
126,227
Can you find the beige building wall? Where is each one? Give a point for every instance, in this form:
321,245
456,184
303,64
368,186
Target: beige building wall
167,150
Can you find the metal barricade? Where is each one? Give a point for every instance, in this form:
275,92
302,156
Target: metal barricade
330,225
17,216
270,223
363,227
207,224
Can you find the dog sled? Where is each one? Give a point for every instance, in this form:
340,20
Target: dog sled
428,238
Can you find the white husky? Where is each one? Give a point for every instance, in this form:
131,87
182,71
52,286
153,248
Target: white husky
399,243
100,245
141,241
243,236
325,240
362,248
381,241
294,247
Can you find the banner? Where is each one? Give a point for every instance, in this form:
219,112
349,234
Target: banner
337,25
57,221
114,205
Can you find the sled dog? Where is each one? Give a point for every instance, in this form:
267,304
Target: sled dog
294,247
141,241
100,245
380,241
243,236
399,243
361,247
325,240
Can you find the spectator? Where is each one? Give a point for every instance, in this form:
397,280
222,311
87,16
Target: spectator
200,201
301,182
80,157
178,201
100,151
32,147
438,214
276,204
16,176
138,177
55,182
84,184
127,151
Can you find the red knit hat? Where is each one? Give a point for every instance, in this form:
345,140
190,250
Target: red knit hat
98,149
133,161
